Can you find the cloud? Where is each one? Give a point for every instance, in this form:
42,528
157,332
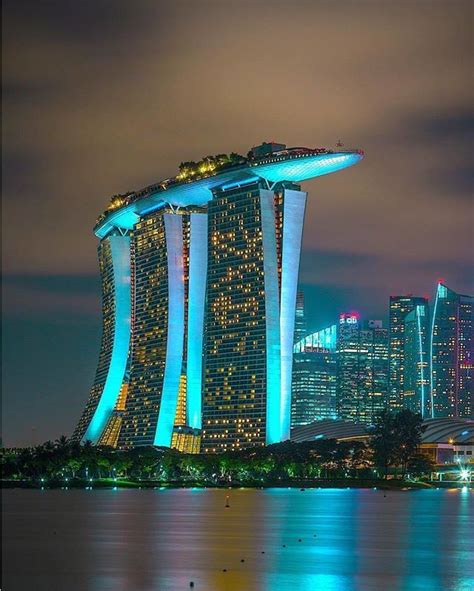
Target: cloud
31,295
441,125
105,96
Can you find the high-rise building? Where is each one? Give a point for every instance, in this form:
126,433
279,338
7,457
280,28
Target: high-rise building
349,402
375,371
400,306
416,366
199,276
314,378
362,368
452,354
300,318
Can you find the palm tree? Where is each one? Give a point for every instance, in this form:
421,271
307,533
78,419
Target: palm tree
62,442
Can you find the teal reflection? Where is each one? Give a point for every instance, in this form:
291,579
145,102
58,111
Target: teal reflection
438,551
316,546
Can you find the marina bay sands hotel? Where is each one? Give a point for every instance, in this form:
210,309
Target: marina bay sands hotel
199,280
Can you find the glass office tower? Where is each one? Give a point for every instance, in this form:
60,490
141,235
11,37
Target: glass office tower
362,369
452,354
300,319
400,306
314,378
199,279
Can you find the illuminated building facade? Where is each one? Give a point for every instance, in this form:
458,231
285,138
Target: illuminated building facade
416,366
349,401
314,378
199,276
452,354
254,250
374,340
400,306
300,318
362,369
103,414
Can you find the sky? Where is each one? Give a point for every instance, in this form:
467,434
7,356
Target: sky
105,96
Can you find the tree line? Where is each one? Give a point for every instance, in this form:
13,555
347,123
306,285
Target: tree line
392,448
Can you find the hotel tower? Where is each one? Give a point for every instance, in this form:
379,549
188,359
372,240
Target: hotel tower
199,287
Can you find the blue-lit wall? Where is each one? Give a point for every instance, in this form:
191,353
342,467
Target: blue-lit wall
272,314
120,249
175,335
196,301
293,218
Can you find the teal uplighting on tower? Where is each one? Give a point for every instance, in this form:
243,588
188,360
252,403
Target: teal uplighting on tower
416,370
200,276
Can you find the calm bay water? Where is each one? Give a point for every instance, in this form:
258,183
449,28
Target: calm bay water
160,540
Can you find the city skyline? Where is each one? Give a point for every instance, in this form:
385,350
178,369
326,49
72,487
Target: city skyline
237,295
421,361
72,137
204,330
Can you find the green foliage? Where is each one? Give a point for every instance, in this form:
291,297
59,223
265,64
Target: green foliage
420,465
209,164
395,439
394,442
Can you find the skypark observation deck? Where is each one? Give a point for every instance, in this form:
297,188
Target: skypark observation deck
291,165
199,281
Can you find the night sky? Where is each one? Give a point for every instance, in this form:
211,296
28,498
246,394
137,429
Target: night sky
101,97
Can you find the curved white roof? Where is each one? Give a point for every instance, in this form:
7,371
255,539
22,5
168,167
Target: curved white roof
276,168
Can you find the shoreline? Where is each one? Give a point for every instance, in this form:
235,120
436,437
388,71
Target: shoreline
111,484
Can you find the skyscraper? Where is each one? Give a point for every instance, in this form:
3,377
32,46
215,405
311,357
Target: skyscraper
199,276
349,401
314,378
375,370
416,366
300,318
400,306
362,368
452,354
254,247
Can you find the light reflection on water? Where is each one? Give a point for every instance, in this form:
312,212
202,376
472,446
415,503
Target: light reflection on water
328,540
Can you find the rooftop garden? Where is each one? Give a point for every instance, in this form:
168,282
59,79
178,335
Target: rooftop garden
208,165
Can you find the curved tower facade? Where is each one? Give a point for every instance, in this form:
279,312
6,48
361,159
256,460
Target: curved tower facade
199,277
111,377
416,360
452,343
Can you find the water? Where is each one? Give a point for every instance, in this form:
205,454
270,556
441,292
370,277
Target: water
160,540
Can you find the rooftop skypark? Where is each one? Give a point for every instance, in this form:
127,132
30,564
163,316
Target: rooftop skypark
195,180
